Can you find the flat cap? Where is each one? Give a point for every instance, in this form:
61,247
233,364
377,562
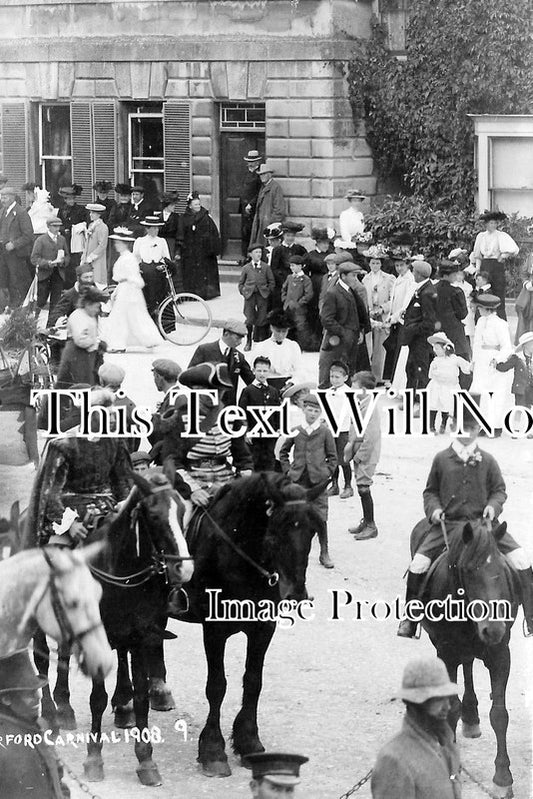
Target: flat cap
296,259
140,457
279,768
335,258
310,399
168,369
235,326
256,245
54,220
346,267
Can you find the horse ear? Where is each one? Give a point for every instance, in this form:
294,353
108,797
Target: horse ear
315,491
142,484
14,515
467,533
500,531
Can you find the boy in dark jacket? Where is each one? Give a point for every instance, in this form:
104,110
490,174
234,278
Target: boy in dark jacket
259,393
522,363
315,458
256,284
296,294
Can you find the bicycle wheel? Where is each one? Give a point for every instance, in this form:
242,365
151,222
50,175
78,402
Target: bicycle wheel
185,319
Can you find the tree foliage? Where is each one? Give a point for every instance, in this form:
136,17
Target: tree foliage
463,57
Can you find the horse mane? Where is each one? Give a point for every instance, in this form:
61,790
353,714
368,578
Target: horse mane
471,555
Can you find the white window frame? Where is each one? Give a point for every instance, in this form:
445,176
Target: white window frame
43,158
131,169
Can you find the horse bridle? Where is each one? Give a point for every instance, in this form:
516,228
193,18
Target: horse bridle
68,634
160,560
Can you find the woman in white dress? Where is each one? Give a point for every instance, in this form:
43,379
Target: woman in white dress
129,324
492,248
492,345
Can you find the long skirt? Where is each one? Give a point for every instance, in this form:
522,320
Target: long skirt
78,366
497,280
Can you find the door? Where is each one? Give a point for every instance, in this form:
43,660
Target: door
146,153
233,147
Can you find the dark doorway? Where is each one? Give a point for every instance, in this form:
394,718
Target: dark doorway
233,147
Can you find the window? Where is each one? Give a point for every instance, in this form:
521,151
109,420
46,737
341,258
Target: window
511,174
242,116
55,151
146,151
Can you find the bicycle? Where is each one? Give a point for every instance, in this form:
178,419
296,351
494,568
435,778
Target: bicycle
182,317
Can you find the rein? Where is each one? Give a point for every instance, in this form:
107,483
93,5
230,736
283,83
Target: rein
271,577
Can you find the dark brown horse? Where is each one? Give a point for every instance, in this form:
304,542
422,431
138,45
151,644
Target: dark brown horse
252,546
475,572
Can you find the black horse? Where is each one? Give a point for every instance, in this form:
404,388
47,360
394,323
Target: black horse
475,572
252,545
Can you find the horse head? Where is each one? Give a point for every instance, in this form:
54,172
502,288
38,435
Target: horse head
65,605
293,521
159,508
482,573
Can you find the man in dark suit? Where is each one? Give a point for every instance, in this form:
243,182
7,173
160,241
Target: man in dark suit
256,284
225,351
420,321
68,301
345,320
16,241
166,425
140,209
249,190
50,256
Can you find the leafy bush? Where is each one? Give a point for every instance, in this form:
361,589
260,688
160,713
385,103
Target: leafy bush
19,327
463,58
437,230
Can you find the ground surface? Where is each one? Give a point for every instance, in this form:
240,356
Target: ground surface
329,686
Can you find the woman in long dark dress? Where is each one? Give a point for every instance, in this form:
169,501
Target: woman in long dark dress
315,268
199,250
83,353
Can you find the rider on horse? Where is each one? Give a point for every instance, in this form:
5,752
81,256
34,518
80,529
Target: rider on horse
465,483
79,481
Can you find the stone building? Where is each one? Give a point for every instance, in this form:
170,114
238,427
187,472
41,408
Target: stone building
173,93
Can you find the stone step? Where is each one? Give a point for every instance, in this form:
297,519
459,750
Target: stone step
229,271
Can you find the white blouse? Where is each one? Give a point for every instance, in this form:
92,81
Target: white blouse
492,244
83,330
351,223
285,358
150,250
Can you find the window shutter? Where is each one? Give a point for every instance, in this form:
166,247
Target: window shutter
177,144
14,138
81,130
105,141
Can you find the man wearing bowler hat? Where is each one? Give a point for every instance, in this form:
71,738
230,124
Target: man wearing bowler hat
271,205
422,760
250,187
16,241
274,775
345,321
25,770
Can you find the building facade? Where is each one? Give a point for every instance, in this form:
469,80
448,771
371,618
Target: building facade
173,93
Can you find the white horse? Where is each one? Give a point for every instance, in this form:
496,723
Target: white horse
53,589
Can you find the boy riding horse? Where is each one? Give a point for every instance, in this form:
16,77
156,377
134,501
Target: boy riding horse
464,483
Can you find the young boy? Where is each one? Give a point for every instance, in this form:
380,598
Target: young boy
365,451
465,483
336,397
522,363
260,393
256,284
332,261
315,461
296,294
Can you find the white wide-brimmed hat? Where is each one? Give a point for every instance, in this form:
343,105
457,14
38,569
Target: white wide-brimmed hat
525,338
426,678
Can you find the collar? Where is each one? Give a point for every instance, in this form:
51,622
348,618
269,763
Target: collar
340,282
11,207
462,452
257,384
421,285
224,349
310,428
54,238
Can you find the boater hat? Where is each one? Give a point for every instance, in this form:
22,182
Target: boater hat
426,678
18,674
122,234
354,194
253,155
152,221
440,338
278,768
490,301
96,207
525,338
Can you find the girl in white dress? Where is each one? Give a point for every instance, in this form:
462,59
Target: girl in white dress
492,345
129,324
443,380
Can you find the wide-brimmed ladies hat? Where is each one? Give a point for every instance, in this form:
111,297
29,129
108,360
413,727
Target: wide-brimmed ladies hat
292,227
525,338
170,197
426,678
490,301
123,188
103,186
447,267
322,233
492,216
122,234
273,231
340,244
354,194
253,155
152,221
376,251
440,338
295,388
73,190
98,207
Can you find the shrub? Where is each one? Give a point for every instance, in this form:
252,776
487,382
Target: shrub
19,327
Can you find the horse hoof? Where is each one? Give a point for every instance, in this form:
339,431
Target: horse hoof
326,562
93,769
66,718
148,774
124,716
502,791
162,700
471,730
216,768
